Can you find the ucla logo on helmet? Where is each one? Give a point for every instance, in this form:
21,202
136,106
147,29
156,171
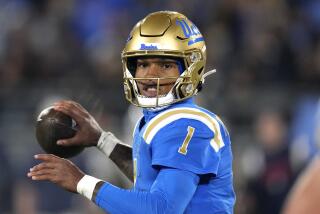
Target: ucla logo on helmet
190,31
149,46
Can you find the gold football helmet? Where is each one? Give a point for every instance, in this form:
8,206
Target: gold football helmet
170,35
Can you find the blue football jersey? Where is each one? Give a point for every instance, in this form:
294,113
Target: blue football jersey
187,137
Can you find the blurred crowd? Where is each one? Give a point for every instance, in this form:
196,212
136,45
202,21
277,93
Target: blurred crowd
267,88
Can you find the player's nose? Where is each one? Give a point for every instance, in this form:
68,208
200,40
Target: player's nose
153,70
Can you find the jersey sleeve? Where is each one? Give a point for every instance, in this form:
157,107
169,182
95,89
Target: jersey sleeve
193,144
163,197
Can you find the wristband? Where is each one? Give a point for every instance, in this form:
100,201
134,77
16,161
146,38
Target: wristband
87,185
107,142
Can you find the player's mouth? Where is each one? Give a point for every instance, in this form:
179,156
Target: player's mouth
150,89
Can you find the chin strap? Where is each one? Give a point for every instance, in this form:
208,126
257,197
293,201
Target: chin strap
207,74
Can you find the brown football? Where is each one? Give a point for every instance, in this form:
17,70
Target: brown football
52,126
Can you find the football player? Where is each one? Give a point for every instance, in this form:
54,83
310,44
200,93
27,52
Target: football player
181,159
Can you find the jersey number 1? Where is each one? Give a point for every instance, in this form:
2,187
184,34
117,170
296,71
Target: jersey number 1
183,149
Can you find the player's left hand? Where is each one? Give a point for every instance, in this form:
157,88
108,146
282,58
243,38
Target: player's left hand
57,170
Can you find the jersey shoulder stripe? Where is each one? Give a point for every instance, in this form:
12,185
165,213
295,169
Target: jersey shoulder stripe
167,117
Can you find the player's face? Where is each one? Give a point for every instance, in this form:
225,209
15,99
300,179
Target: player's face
156,68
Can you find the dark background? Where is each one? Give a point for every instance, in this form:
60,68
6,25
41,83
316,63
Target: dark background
266,89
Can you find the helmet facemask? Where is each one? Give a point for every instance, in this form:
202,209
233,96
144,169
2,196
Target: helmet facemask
183,87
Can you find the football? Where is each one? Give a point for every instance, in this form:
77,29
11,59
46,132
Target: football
52,126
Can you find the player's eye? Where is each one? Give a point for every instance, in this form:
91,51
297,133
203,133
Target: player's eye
142,64
167,65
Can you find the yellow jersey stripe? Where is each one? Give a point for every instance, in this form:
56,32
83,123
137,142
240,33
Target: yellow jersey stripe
171,115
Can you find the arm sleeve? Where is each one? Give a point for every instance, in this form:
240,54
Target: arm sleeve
170,193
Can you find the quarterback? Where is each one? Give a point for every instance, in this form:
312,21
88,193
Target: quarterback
181,158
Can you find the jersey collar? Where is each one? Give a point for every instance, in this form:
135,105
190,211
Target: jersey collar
150,113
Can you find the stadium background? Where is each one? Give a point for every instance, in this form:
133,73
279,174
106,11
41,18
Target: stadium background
267,54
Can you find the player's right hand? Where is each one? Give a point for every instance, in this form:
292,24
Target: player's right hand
89,130
57,170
